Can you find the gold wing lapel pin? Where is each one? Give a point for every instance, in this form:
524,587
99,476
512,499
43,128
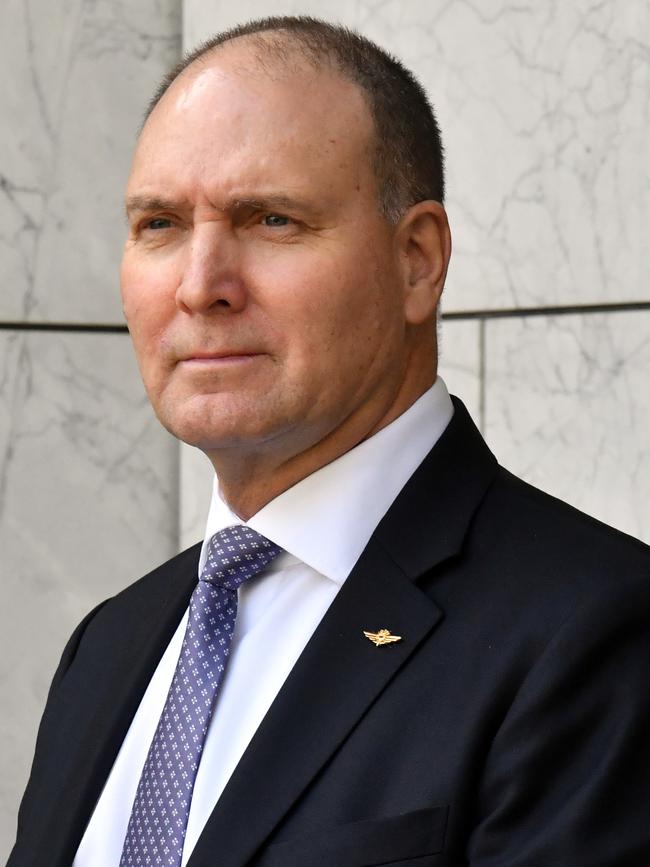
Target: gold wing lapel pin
382,637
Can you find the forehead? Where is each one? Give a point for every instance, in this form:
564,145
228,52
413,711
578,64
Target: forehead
233,118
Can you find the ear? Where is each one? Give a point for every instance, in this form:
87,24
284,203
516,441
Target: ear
424,248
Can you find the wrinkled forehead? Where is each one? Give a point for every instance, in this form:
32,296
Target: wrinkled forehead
231,103
228,123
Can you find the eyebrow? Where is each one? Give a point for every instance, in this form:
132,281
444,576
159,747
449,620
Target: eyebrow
151,203
143,204
271,202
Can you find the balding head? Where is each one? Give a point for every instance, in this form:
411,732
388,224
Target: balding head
407,155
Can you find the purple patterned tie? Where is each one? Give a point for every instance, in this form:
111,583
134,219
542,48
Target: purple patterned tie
156,830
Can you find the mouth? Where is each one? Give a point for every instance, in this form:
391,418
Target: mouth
227,357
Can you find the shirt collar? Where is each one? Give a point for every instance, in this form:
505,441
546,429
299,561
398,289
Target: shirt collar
326,519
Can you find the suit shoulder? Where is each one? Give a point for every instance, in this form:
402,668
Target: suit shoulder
541,560
163,576
171,584
564,530
531,566
161,594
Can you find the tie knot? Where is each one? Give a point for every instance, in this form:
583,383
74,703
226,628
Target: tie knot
235,554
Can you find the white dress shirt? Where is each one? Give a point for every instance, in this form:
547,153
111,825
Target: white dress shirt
322,523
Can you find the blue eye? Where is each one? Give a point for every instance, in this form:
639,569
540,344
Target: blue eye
275,221
159,223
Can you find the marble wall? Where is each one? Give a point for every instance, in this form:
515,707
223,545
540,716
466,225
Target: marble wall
546,331
88,479
567,404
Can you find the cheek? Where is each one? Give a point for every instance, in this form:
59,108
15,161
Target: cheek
148,300
147,310
338,316
354,306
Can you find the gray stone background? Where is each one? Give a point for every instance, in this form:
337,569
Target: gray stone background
545,113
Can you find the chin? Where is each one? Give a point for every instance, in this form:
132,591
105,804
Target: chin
213,423
211,437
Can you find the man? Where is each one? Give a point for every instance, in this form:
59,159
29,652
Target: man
431,663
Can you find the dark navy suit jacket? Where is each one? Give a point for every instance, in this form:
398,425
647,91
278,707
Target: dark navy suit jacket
509,728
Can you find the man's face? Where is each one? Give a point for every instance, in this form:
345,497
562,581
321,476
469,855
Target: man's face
259,281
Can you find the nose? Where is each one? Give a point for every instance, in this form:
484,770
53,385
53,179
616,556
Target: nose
211,279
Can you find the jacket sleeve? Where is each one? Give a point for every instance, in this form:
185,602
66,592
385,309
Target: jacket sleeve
35,781
567,778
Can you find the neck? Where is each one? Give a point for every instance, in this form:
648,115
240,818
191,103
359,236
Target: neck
249,480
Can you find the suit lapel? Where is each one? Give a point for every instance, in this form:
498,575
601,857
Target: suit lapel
338,676
144,623
341,673
429,521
